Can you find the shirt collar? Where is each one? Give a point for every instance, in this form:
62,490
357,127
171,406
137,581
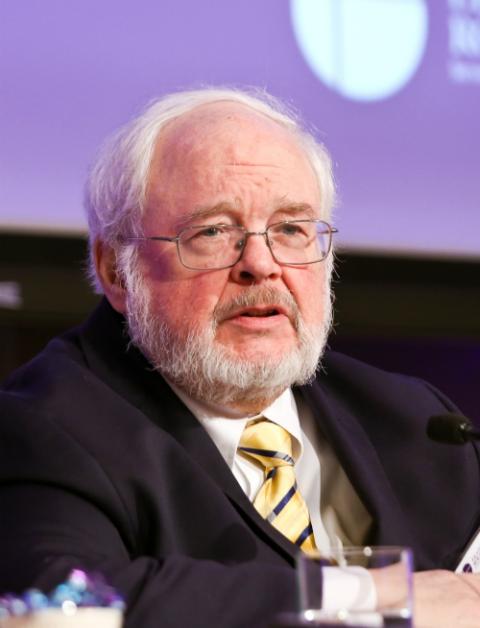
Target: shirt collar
225,428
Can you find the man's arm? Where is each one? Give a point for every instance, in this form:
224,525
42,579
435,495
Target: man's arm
46,532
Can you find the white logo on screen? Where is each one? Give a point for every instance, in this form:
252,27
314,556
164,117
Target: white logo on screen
364,49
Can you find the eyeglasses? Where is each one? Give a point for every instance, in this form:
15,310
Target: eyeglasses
217,246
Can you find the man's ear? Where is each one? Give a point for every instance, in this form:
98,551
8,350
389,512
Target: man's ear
109,276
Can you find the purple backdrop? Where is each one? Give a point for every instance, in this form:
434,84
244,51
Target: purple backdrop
407,164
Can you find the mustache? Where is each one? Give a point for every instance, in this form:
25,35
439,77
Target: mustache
253,296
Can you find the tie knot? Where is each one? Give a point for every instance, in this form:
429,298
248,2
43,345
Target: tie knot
268,443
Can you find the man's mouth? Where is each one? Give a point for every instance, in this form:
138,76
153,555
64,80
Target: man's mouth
264,313
259,311
256,303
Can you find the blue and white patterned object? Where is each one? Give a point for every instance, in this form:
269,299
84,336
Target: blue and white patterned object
80,590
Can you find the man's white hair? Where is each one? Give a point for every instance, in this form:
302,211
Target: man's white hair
116,186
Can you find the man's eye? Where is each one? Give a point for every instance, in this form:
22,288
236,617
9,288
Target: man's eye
289,229
210,231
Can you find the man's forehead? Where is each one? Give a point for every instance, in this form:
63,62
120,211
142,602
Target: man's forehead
223,135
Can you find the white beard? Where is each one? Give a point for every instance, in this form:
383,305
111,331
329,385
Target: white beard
211,372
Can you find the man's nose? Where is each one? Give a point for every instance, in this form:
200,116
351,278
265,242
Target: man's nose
257,262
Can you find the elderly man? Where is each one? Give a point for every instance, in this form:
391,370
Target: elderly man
146,443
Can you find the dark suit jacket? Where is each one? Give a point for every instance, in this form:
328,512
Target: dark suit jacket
102,466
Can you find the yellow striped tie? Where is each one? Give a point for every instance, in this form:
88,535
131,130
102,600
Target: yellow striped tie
278,499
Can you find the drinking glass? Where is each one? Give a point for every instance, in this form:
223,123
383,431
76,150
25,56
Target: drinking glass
358,586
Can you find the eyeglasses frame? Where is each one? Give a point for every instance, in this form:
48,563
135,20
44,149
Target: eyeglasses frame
330,230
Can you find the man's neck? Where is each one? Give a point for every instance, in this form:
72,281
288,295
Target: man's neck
247,406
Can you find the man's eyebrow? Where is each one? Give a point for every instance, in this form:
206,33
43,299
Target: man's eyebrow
206,211
295,208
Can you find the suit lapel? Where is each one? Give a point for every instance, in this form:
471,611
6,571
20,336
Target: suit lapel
173,416
360,461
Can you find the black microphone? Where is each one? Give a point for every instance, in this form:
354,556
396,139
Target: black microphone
451,428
